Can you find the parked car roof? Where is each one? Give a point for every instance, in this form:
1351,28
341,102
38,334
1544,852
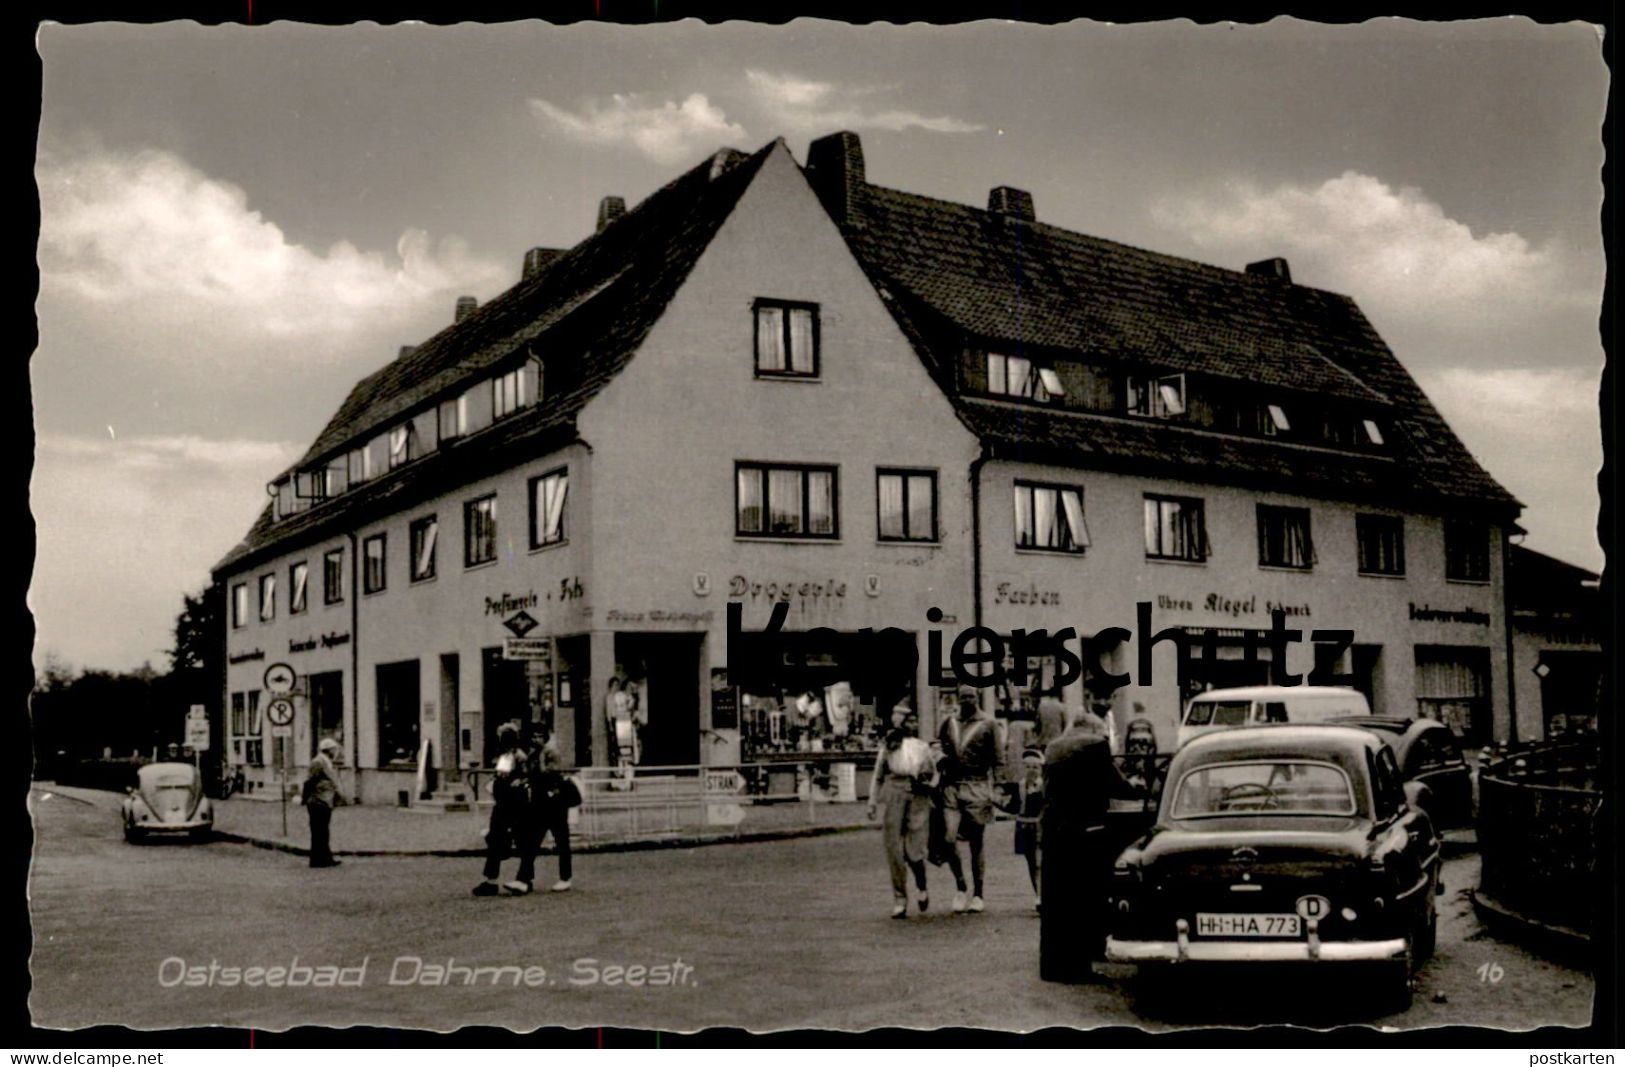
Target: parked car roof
1268,692
1278,739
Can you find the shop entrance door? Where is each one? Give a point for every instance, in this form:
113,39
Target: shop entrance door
326,708
671,675
506,692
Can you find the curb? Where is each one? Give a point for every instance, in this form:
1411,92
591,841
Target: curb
1561,940
637,845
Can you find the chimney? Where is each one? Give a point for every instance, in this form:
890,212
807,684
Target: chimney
536,259
1010,202
1271,268
835,169
610,208
465,308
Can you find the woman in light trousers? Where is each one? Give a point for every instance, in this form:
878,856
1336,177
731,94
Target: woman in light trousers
902,782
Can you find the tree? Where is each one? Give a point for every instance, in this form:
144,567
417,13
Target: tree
198,631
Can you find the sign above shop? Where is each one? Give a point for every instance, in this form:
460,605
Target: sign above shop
521,623
1006,593
1233,606
246,657
501,605
528,648
740,587
1470,616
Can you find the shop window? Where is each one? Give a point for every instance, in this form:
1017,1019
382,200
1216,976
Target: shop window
907,502
1283,538
1380,541
508,393
239,605
1050,517
480,531
397,688
298,581
1175,528
547,499
424,535
373,559
1157,398
237,726
253,743
1452,686
333,577
267,597
785,501
1466,551
786,339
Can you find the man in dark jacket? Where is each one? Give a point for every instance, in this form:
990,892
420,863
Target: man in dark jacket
512,829
320,796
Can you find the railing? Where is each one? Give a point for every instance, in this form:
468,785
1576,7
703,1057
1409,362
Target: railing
1537,834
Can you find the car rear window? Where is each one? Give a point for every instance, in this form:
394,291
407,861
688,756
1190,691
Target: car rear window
1218,713
1279,787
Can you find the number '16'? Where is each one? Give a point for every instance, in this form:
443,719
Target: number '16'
1491,973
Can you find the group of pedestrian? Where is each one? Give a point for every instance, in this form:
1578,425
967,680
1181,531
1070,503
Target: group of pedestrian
532,798
937,797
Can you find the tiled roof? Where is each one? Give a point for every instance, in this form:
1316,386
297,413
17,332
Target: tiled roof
1540,585
955,276
592,305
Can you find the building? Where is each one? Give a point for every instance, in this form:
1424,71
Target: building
1557,659
782,387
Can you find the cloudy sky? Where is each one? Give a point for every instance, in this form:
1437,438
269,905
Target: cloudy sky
239,223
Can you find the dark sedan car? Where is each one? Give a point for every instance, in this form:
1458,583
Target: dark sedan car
1427,752
1277,844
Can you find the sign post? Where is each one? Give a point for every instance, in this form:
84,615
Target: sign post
197,733
280,713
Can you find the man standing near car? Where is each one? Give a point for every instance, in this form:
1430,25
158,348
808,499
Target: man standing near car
970,754
321,796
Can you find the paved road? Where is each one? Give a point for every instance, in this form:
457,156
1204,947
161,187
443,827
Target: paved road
769,936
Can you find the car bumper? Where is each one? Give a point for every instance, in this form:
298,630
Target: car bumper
172,827
1310,950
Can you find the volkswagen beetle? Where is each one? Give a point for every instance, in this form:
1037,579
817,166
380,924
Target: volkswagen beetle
1281,844
167,799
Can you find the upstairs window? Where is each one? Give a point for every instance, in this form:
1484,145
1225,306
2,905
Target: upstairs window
1466,551
403,445
239,605
784,501
1049,518
786,339
333,577
1272,420
424,535
267,597
547,497
1157,398
1175,528
907,502
1021,378
1283,538
453,418
360,466
1380,543
314,484
480,531
298,583
508,393
374,573
1373,432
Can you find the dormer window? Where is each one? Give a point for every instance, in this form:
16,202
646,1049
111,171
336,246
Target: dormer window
453,418
1019,377
1373,433
403,445
1275,420
508,393
1157,398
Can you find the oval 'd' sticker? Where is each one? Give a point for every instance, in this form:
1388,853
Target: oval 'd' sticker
1314,907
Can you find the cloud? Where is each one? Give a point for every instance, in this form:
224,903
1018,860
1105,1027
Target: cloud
1537,430
665,131
147,235
1394,248
799,105
126,526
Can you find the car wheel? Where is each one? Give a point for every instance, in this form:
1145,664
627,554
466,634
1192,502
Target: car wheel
132,835
1393,986
202,833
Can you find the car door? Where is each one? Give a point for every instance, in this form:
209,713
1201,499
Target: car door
1434,760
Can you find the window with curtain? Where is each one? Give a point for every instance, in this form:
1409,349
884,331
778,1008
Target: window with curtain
373,573
253,743
239,605
1050,517
402,445
786,339
508,392
784,501
1175,528
907,504
480,531
1283,538
333,577
1380,543
267,597
1157,398
298,580
425,536
547,499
